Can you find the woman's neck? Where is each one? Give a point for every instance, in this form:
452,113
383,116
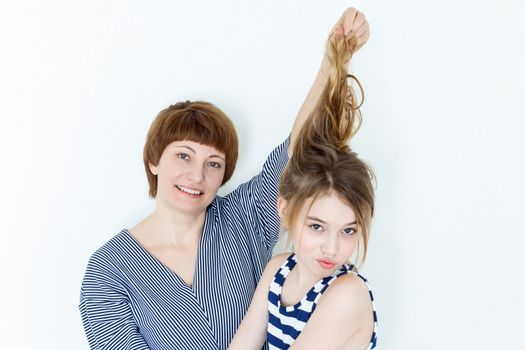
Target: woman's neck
166,226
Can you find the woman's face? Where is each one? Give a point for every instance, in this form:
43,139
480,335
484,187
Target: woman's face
189,175
325,235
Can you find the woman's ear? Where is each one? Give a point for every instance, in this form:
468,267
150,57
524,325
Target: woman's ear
154,169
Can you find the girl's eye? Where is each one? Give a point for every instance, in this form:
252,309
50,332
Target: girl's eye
316,227
183,156
215,165
349,231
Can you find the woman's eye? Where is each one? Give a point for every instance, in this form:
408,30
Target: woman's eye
183,156
316,227
349,231
215,165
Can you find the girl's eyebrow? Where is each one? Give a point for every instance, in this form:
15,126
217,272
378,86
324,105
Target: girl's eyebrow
324,222
316,219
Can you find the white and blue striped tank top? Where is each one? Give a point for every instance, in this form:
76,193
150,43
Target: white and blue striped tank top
285,323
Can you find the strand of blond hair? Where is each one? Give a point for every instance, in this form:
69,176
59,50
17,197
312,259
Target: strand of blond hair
337,116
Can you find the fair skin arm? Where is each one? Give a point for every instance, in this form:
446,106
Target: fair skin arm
351,24
251,334
343,318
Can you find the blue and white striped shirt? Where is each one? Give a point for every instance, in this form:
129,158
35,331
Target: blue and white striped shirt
129,300
285,323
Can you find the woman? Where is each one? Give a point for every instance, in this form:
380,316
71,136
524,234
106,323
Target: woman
184,277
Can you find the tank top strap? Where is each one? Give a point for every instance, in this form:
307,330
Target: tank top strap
278,280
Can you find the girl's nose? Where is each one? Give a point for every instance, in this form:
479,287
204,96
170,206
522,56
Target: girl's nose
329,248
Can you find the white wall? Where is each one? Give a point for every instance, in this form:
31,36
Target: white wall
80,82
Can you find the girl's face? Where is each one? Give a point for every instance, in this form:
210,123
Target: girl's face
325,235
189,175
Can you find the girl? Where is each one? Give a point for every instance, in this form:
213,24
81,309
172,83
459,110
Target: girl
184,276
326,203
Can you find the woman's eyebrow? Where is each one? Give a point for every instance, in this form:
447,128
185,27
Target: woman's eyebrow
191,149
217,156
184,146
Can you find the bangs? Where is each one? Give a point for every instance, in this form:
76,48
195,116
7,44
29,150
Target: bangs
202,128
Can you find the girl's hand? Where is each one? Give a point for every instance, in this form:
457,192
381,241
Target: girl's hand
353,25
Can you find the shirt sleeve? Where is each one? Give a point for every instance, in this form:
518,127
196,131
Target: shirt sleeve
105,310
257,198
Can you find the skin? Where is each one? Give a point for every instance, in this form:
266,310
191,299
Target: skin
184,166
325,233
189,175
172,232
324,239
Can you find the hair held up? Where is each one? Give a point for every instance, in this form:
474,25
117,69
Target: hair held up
322,161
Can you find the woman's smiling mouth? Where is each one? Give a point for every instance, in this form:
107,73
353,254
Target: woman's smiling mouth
189,190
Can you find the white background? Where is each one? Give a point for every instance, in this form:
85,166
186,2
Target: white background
80,82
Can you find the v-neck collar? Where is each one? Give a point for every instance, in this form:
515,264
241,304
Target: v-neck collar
195,286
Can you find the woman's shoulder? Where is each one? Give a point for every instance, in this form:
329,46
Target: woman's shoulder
114,248
105,267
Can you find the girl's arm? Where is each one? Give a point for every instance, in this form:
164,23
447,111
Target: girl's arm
251,334
351,23
343,318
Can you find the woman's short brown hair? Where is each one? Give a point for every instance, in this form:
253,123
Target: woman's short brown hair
197,121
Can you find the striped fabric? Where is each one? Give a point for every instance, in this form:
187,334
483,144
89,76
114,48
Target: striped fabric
129,300
285,323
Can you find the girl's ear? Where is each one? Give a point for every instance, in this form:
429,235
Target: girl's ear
281,207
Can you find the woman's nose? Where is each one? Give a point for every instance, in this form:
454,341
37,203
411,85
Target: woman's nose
196,173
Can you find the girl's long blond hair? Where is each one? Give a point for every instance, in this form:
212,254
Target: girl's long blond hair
322,161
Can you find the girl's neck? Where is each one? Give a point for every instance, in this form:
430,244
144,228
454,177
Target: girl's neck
297,284
302,278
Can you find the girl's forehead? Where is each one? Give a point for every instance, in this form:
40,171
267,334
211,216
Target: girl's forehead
329,207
